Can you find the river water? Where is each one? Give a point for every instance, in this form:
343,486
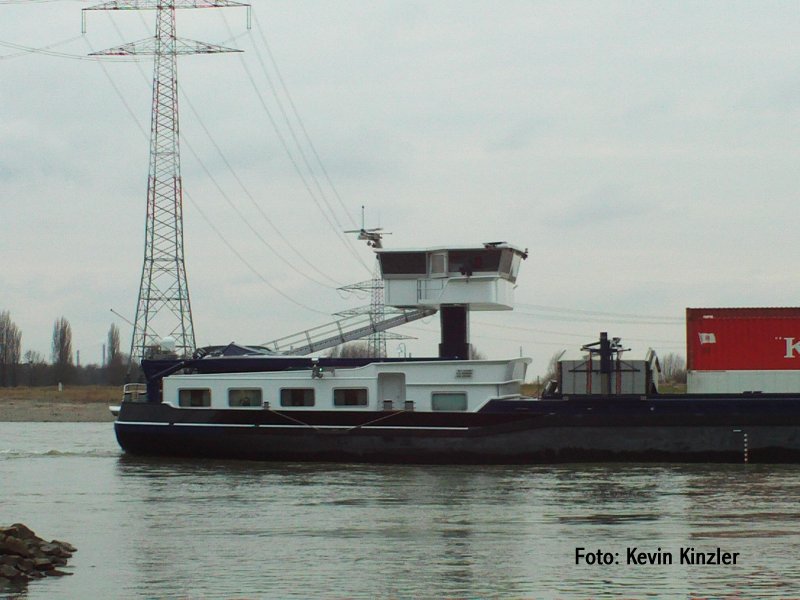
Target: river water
149,528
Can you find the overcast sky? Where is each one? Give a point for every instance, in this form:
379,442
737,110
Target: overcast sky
645,152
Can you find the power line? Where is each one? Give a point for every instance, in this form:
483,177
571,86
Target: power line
246,191
241,216
227,163
578,335
44,50
257,206
292,132
540,342
336,227
650,319
298,118
252,269
196,206
31,1
208,173
164,291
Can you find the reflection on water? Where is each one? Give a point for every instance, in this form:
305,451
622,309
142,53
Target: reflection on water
223,529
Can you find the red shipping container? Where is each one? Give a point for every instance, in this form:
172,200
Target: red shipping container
742,339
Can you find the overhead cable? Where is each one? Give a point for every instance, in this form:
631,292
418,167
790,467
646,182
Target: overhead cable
556,309
256,204
335,226
252,269
300,120
200,211
235,175
578,335
25,50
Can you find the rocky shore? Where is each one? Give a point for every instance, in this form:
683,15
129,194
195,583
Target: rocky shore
25,556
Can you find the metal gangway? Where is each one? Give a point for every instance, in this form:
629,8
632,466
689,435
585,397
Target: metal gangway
341,331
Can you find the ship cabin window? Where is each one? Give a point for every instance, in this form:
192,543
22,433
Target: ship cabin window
350,397
244,397
470,262
403,263
297,396
449,401
194,398
438,264
509,264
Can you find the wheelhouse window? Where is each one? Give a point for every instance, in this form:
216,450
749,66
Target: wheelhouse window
438,261
350,397
244,397
402,263
297,397
449,401
509,264
194,397
469,262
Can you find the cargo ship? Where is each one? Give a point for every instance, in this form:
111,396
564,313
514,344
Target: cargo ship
249,402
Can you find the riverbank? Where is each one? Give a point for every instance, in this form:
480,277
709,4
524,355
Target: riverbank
74,404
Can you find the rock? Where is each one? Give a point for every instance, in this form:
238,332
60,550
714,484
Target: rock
43,564
18,530
12,545
25,556
52,549
56,573
9,572
65,546
25,565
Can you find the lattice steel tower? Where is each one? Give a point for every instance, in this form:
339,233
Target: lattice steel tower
377,311
163,308
376,343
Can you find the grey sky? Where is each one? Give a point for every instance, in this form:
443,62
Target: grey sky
645,153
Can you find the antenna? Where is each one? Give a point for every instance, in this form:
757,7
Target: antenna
163,303
376,344
372,236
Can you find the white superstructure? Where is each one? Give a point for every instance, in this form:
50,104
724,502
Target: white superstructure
462,385
477,277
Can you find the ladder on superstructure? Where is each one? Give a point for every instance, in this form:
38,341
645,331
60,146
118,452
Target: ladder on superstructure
341,331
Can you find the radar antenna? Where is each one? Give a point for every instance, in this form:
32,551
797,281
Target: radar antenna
373,236
376,344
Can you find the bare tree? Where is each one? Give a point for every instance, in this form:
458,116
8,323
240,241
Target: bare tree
113,343
475,354
63,365
552,367
115,367
35,367
673,368
352,350
10,340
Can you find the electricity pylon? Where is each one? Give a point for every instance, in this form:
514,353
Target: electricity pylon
163,308
376,344
377,311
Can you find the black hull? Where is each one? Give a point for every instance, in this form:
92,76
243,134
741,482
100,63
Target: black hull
723,429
